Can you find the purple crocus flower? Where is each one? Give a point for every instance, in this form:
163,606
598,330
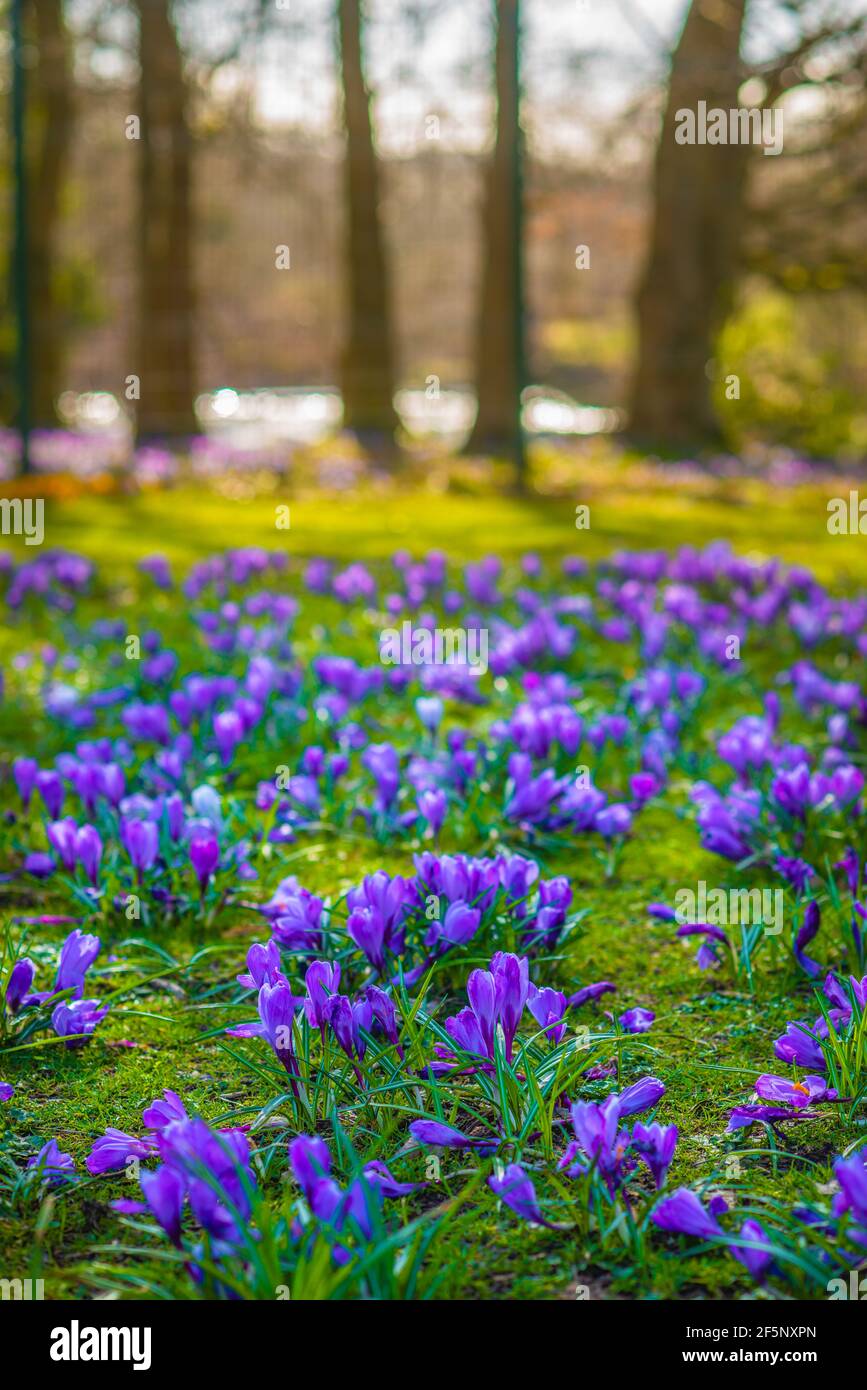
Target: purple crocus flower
351,1211
706,955
87,780
847,783
791,790
157,566
113,783
263,966
459,925
636,1020
62,837
464,1028
583,996
497,996
851,866
366,927
50,1165
50,788
432,807
434,1134
532,799
277,1006
512,984
781,1090
228,732
77,955
378,1175
796,872
745,1115
6,1091
382,763
204,854
612,821
88,851
798,1046
38,864
643,786
76,1020
684,1214
296,917
162,1112
24,770
347,1019
310,1162
175,817
555,895
516,1190
313,761
322,980
164,1190
721,832
661,911
215,1167
600,1142
18,985
851,1174
353,583
384,1013
641,1095
656,1144
518,875
148,722
140,839
548,1007
755,1256
115,1149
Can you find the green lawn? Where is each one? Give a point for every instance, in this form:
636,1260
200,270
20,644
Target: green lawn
629,506
711,1036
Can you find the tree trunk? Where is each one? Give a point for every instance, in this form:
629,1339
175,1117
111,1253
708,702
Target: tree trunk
688,282
52,105
499,366
166,307
367,365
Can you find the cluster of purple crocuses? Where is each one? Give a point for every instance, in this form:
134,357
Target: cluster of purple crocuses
807,911
806,1048
407,924
157,734
759,1249
149,836
182,783
72,1017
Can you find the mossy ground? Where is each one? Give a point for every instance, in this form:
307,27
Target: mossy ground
710,1038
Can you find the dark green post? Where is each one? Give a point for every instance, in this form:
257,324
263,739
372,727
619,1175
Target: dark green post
22,297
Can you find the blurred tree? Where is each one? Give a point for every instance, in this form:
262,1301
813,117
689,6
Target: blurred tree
166,294
807,217
367,360
499,356
698,211
50,115
55,106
